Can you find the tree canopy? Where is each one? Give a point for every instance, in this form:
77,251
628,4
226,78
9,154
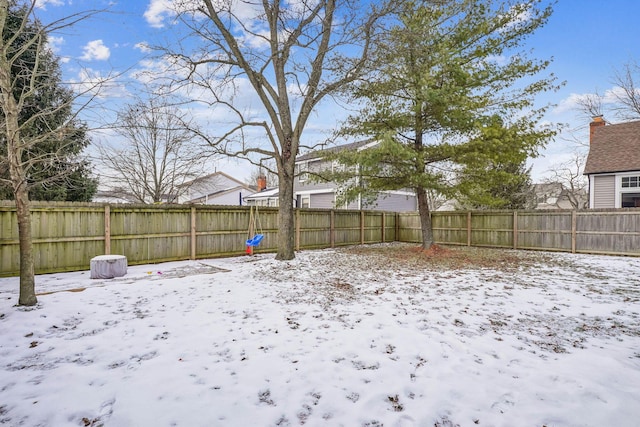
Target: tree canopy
453,96
285,56
53,164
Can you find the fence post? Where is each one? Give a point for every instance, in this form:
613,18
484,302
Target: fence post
332,229
193,232
384,240
515,229
297,229
361,227
107,230
574,224
469,228
397,227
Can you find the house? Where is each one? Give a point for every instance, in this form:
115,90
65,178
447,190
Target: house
215,189
554,195
113,196
613,164
266,197
313,194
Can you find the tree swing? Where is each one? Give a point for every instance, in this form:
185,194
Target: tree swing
254,225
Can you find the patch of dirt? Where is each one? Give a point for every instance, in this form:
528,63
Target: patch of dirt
452,257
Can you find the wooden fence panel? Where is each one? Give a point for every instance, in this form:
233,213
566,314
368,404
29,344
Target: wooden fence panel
390,227
609,232
493,229
146,234
224,231
545,230
409,228
450,227
372,227
347,228
315,229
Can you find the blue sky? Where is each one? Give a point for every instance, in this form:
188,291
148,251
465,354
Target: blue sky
587,39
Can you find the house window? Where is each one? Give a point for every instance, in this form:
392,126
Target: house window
630,181
302,171
631,200
305,201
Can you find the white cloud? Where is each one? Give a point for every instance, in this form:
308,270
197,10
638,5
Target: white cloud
95,50
54,43
157,11
93,83
142,47
42,4
573,101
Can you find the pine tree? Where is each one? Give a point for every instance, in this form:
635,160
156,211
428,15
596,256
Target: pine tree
55,168
453,97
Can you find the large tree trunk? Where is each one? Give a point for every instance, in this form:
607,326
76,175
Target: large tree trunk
23,211
286,219
425,218
27,275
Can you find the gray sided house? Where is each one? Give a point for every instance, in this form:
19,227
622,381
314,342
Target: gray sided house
323,195
216,189
613,165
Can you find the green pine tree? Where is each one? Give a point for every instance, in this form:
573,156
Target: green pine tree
452,98
55,168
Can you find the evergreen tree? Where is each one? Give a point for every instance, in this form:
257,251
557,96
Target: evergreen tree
499,186
55,169
453,98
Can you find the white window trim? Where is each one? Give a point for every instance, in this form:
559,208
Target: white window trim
620,190
303,167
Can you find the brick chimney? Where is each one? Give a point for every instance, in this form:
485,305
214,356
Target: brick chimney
596,122
262,183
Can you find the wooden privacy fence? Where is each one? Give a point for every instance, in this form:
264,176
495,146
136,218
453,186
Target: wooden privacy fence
67,235
608,232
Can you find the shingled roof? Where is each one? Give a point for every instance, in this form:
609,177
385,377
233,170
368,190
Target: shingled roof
614,148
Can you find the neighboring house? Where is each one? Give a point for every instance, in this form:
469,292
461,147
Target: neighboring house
314,194
613,164
266,197
216,189
554,195
113,196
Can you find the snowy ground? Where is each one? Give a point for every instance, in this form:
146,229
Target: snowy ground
372,336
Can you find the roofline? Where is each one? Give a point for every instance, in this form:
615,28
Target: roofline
611,172
220,193
202,178
318,154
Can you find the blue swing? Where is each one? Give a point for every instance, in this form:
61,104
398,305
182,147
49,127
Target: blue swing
255,240
254,221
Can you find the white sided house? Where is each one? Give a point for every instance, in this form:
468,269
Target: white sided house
323,195
216,189
613,165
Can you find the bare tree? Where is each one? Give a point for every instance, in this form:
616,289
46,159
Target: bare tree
288,55
23,74
628,93
622,102
158,153
569,175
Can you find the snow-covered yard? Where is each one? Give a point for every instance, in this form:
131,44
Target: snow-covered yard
362,336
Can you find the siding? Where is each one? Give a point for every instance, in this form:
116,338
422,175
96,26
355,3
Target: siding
322,201
228,199
394,203
604,192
